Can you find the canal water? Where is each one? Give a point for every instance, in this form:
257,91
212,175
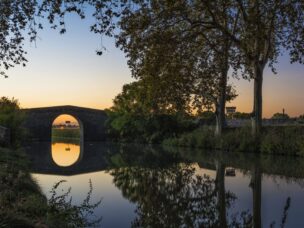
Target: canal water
147,186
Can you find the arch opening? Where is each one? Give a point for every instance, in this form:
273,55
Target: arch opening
67,140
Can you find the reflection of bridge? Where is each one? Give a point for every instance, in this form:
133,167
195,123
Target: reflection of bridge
92,160
96,155
38,122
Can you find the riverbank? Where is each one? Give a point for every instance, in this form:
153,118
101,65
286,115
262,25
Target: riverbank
66,133
22,203
287,140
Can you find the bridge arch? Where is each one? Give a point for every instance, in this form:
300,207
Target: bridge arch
38,122
62,119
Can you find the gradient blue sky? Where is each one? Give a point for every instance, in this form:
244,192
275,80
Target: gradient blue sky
64,70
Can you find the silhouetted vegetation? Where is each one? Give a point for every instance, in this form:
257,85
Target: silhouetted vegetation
203,42
146,129
240,115
11,117
280,116
273,140
137,117
66,133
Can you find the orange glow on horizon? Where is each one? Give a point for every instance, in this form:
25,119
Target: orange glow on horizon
63,118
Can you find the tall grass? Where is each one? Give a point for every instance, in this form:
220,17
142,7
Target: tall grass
66,133
274,140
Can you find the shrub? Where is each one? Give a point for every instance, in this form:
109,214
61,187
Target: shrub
239,139
199,138
12,118
283,140
152,128
275,140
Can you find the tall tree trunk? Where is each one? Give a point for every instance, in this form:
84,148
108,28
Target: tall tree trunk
221,197
258,99
221,104
220,113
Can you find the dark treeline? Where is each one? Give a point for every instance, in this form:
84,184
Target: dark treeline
181,53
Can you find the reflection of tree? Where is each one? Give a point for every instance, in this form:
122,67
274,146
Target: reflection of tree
174,197
221,194
256,185
168,194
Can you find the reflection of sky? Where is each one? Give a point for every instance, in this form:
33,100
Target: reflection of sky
114,209
274,195
275,191
119,212
65,154
64,69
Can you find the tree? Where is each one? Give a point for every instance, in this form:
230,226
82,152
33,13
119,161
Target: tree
22,19
280,116
14,21
201,58
265,30
11,117
139,113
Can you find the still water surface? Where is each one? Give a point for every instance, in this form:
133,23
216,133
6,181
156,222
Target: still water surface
144,186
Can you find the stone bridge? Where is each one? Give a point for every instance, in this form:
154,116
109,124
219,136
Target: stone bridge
38,122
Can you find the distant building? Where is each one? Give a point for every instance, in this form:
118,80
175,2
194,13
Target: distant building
230,110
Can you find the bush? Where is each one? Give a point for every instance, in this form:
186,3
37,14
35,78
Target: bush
199,138
12,118
131,127
275,140
239,140
283,140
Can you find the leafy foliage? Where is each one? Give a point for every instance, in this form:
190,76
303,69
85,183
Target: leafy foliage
12,118
22,19
140,114
61,212
132,127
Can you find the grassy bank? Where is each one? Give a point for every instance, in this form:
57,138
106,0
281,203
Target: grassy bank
66,133
22,203
273,140
74,141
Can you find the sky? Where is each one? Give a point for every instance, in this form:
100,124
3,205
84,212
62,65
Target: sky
63,118
64,70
